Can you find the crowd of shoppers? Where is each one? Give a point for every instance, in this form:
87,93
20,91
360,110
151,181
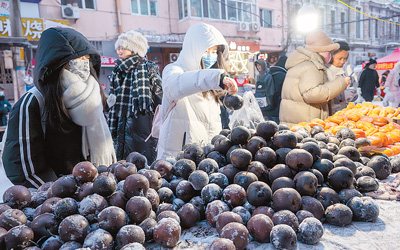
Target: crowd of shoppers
67,118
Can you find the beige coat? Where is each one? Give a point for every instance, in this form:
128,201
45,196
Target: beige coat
306,92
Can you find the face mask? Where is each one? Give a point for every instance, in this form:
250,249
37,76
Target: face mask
327,57
1,93
209,59
80,68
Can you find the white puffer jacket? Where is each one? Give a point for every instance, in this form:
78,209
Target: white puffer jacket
195,118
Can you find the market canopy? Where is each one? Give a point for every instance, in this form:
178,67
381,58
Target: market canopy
387,62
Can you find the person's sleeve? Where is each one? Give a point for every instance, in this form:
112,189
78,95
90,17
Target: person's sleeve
320,92
178,84
377,80
23,155
362,79
389,79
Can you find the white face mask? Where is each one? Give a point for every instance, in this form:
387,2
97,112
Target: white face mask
80,68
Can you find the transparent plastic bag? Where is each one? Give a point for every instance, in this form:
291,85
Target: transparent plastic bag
249,115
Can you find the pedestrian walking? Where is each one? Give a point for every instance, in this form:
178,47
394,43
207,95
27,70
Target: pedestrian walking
61,121
306,92
369,81
135,92
194,86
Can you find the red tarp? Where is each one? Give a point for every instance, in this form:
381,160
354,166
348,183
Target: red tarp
387,62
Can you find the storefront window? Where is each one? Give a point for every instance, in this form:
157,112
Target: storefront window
144,7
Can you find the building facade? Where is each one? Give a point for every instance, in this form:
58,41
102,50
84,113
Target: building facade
249,26
367,37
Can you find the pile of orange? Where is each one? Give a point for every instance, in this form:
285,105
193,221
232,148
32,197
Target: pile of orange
366,120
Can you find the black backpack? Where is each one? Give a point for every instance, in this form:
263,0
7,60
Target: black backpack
266,95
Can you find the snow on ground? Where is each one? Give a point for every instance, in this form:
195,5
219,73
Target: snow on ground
380,235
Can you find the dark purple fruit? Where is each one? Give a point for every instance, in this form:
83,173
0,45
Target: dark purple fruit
259,194
194,152
222,244
299,160
345,133
136,185
65,207
18,237
340,178
233,102
286,217
105,184
381,165
198,179
84,172
280,170
64,187
112,219
167,233
310,231
229,171
267,129
324,166
129,234
314,206
306,183
91,206
220,179
12,218
222,145
209,166
211,192
255,143
234,195
17,197
237,233
338,215
260,227
73,228
281,155
138,159
213,210
364,209
302,214
225,218
165,169
245,178
267,156
282,182
184,167
84,190
240,135
99,240
241,158
327,196
189,215
284,139
283,237
346,162
286,199
123,170
185,191
148,226
347,194
138,209
154,179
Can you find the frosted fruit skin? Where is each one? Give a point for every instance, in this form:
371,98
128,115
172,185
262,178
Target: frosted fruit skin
167,232
310,231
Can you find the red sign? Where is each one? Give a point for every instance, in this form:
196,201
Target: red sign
383,65
107,61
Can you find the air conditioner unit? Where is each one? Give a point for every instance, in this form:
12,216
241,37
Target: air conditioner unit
69,11
243,27
255,27
173,57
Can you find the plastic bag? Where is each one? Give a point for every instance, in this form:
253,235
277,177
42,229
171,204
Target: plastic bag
249,115
359,98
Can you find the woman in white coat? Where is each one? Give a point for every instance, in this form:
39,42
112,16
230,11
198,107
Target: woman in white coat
192,83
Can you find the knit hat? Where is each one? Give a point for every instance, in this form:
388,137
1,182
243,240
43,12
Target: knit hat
133,41
319,41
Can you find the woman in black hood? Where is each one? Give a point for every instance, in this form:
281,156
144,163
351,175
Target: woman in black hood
369,80
60,122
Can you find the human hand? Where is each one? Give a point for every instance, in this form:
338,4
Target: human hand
230,85
348,80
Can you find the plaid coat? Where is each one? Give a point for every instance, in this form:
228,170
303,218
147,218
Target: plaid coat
137,86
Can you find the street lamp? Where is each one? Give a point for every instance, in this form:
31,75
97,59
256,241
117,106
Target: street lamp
307,18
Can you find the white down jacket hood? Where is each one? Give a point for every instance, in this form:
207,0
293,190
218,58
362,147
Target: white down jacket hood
195,118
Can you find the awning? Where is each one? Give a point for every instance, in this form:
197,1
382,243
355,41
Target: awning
387,62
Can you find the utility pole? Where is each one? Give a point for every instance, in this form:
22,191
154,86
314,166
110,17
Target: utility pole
18,52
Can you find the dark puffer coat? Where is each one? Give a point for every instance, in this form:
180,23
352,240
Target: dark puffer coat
369,80
132,131
31,156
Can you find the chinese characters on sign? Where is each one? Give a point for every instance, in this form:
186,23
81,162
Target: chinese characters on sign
32,28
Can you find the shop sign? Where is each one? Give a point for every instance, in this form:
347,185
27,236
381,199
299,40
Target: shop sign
383,65
245,46
107,61
32,28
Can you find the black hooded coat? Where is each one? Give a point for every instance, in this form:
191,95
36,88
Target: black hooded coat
31,156
369,80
